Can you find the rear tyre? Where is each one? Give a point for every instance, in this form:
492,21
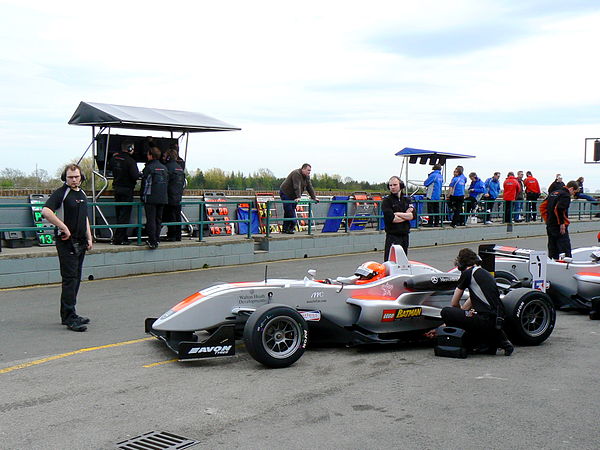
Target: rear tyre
276,335
530,316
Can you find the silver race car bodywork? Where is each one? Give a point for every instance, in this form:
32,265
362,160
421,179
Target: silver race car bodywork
573,283
276,316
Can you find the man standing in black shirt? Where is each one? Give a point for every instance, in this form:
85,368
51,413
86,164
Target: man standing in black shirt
557,223
155,179
478,314
172,211
66,209
125,175
397,214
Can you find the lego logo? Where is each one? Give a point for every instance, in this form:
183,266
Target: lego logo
389,315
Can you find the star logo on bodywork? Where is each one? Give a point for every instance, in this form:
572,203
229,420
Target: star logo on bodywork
386,289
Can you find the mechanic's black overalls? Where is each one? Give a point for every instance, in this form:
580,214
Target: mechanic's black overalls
485,300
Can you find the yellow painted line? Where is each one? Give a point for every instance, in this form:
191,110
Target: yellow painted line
161,363
64,355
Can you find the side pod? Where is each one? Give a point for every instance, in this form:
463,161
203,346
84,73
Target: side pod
185,343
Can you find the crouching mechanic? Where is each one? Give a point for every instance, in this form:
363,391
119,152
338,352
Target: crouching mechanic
478,314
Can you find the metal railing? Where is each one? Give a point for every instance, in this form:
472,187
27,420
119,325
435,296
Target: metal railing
492,209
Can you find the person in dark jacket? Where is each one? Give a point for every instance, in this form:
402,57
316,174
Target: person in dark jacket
172,210
557,223
580,195
155,180
397,214
291,189
478,314
556,184
66,209
125,175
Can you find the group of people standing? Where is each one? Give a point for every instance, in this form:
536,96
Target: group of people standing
163,181
464,196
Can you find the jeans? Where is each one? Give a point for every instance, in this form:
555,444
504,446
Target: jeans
289,212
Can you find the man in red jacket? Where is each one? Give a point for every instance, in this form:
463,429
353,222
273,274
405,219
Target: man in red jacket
511,188
532,193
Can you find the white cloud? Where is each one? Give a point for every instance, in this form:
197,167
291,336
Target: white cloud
311,81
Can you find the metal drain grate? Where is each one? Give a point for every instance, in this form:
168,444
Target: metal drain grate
156,440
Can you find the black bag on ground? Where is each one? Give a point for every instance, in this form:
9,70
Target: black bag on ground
451,342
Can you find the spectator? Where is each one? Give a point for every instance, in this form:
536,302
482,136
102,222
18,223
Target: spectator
433,183
476,191
456,193
518,205
291,189
556,184
580,195
511,189
532,193
492,191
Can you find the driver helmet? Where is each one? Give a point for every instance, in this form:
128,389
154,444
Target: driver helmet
370,271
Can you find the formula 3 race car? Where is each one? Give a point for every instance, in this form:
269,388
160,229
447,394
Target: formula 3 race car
573,283
381,304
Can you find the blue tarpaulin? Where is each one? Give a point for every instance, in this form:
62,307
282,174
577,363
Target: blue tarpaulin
335,210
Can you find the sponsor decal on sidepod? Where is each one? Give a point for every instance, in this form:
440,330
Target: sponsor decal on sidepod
389,315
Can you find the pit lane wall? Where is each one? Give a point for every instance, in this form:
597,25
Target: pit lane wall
35,266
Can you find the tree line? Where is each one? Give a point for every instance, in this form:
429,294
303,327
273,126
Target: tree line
264,179
218,179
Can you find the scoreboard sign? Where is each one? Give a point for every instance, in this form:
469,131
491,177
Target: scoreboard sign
45,230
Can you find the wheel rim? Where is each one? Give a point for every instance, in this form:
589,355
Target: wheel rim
281,337
535,317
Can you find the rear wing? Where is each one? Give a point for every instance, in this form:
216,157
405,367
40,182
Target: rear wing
536,260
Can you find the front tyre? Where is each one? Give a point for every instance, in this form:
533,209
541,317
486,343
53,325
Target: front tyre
530,316
276,335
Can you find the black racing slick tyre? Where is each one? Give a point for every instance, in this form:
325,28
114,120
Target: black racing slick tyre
530,316
276,335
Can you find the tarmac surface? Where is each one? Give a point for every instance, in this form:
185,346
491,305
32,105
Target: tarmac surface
62,389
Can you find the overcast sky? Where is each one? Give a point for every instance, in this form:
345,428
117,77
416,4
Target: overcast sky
342,85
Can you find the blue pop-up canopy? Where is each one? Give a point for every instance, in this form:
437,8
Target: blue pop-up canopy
414,155
433,156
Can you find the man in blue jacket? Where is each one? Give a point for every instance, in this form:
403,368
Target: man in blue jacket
476,191
457,196
492,191
433,183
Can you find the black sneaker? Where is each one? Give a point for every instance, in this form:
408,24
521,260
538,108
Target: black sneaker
508,348
74,325
79,319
